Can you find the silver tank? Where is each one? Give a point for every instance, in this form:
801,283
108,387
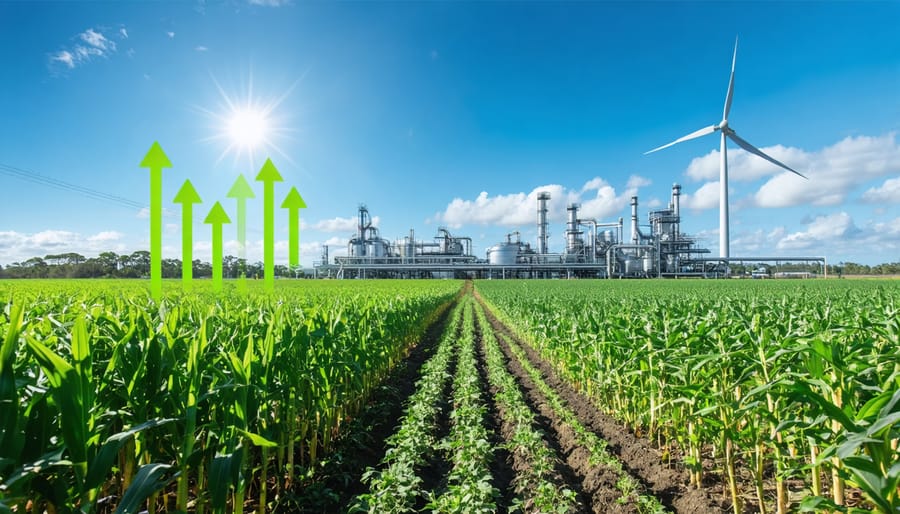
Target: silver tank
632,265
376,248
648,264
356,248
406,248
608,236
503,254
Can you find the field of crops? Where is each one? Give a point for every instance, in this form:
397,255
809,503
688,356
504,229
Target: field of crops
787,391
406,396
106,397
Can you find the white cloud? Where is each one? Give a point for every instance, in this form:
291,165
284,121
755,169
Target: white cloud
170,34
890,228
97,40
123,33
889,192
144,212
65,57
598,199
108,235
341,224
88,45
18,246
636,181
706,197
834,172
819,232
744,166
200,48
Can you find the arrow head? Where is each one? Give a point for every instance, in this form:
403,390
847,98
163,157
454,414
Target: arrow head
293,200
217,215
156,158
187,194
241,189
269,173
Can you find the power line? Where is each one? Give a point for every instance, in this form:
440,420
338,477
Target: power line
36,178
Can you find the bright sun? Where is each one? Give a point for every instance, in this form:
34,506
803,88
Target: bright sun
247,125
248,128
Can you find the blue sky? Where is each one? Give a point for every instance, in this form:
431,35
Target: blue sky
451,114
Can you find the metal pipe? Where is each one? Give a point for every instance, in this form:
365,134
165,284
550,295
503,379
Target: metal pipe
612,248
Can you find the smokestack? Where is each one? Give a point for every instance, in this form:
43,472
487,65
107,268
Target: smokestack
676,208
634,221
542,225
676,200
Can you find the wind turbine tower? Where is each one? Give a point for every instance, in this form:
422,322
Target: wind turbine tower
726,132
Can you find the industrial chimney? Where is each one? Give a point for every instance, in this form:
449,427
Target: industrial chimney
542,225
635,232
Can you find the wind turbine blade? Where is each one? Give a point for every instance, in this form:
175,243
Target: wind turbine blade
730,93
693,135
756,151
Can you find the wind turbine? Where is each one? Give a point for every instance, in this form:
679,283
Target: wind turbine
727,132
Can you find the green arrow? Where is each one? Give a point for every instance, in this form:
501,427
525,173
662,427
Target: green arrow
241,191
268,175
187,196
156,160
294,202
216,218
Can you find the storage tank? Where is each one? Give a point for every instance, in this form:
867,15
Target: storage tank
632,265
608,236
406,248
648,263
356,248
503,254
376,248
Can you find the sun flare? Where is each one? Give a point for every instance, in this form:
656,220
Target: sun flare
248,126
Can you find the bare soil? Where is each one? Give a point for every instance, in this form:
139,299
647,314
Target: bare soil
362,442
638,456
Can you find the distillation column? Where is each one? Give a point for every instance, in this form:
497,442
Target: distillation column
542,225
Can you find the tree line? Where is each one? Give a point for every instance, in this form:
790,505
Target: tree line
137,265
134,265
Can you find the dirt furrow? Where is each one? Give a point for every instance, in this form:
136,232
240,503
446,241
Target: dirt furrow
362,442
562,476
638,457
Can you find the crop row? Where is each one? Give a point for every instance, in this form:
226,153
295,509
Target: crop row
537,485
630,489
108,398
468,488
467,485
774,384
397,487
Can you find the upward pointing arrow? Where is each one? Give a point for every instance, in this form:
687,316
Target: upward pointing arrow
241,191
293,203
187,196
268,175
156,160
216,218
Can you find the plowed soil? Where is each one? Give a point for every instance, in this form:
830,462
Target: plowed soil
638,456
362,444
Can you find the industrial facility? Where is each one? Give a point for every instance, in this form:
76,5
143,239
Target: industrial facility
593,249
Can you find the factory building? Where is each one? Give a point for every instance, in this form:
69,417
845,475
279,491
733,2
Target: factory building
593,249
